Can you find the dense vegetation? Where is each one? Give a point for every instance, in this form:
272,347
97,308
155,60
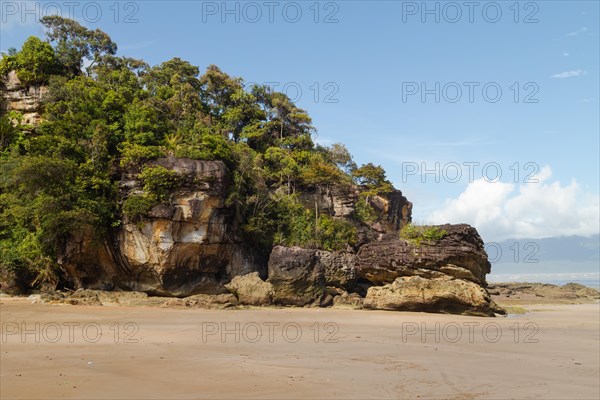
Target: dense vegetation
107,113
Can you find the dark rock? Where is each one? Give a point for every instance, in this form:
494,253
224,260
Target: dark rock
339,268
326,300
459,254
10,283
296,275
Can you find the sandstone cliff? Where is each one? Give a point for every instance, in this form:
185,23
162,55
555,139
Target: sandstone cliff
28,101
181,248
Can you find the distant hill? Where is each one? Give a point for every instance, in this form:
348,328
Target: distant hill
541,256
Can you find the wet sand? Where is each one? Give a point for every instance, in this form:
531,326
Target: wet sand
89,352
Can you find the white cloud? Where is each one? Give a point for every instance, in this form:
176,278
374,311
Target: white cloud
578,31
529,210
569,74
566,54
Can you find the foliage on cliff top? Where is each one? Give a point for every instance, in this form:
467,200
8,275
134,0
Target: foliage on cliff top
418,234
118,114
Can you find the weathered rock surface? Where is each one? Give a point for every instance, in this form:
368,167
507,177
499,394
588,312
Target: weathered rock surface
296,275
339,268
460,254
300,276
181,248
250,290
447,275
393,209
26,100
348,301
455,296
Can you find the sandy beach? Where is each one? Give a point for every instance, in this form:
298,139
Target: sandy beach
87,352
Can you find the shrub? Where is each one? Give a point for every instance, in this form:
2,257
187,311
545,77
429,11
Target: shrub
159,181
137,206
418,234
364,212
8,63
335,234
297,226
135,154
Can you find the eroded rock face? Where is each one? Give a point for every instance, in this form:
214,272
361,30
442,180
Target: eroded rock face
26,100
444,294
348,301
460,254
339,268
394,211
181,248
447,275
301,276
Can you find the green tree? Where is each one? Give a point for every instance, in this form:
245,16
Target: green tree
340,156
36,62
159,181
219,91
373,181
74,42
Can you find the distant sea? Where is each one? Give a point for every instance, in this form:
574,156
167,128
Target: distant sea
590,279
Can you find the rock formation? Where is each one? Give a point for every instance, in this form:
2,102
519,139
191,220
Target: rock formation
459,254
442,294
296,274
180,249
447,275
250,290
189,246
26,100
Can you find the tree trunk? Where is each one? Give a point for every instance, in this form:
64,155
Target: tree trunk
318,194
281,131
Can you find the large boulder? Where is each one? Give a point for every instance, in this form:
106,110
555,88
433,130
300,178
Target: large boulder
296,275
459,254
339,268
250,290
443,275
299,276
446,295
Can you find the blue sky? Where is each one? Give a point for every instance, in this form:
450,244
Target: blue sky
369,55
